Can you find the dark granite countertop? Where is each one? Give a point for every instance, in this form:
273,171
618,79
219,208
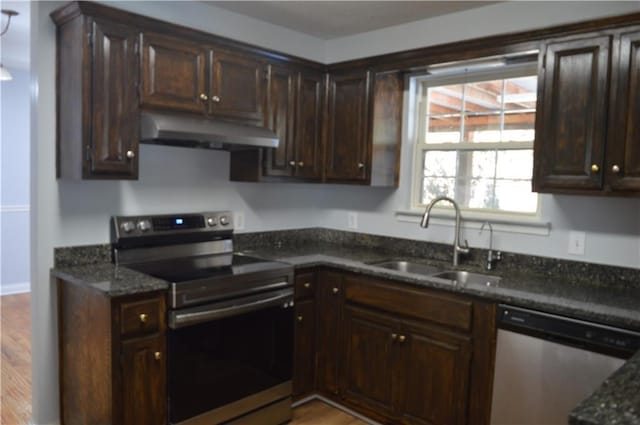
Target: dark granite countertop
615,402
113,281
617,306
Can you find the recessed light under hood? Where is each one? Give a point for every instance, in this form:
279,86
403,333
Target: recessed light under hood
195,132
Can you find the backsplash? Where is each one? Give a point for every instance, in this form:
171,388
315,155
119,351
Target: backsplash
569,272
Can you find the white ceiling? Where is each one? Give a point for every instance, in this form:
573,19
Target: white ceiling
14,45
333,19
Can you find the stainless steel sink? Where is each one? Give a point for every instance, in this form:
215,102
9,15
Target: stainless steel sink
408,267
462,277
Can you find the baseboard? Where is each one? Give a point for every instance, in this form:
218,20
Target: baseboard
15,288
337,406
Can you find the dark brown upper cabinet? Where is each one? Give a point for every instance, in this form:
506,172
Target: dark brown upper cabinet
97,102
623,151
184,75
586,132
347,153
294,108
174,74
237,84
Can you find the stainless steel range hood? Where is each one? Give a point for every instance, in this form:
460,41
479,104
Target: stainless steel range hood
194,132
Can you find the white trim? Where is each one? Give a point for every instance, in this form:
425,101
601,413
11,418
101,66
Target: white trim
337,406
508,223
14,208
15,288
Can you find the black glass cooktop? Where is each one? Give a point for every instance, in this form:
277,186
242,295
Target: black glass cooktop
205,267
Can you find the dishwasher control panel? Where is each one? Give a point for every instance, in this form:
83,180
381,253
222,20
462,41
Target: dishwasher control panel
565,330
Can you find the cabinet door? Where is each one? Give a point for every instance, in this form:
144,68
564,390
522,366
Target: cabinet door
304,363
144,388
114,115
328,328
280,119
237,91
623,163
174,74
347,155
572,109
434,375
309,125
369,358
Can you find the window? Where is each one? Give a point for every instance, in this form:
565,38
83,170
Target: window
475,138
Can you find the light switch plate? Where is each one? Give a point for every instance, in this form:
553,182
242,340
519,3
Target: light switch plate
576,243
352,220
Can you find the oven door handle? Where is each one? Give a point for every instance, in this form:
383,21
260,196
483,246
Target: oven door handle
208,313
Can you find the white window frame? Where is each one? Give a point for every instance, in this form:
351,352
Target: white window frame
419,147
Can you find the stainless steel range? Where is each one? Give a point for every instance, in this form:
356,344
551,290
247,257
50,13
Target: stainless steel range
230,338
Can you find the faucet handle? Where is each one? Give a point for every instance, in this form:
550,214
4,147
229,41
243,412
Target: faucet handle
464,248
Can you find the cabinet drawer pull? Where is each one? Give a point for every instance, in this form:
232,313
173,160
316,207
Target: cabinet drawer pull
143,318
131,154
335,290
394,337
157,355
299,319
204,97
595,168
615,169
216,99
300,164
307,285
402,338
292,163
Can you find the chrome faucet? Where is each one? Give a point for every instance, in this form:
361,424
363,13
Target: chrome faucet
457,249
491,256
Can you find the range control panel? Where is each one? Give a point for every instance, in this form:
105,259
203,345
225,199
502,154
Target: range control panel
133,226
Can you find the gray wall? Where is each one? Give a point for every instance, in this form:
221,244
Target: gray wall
14,178
70,213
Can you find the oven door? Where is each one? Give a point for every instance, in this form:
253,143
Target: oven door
230,358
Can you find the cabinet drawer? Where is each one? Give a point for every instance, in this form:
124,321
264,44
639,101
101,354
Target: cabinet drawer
305,284
421,304
140,317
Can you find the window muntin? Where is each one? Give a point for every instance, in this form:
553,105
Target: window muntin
475,139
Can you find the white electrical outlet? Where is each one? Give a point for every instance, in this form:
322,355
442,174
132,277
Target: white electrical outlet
576,243
238,220
352,220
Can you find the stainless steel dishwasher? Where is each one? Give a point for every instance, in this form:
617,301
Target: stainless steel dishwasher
546,364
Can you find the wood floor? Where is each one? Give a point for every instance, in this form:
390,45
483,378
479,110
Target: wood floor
15,377
15,371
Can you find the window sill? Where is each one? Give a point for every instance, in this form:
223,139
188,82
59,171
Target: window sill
473,220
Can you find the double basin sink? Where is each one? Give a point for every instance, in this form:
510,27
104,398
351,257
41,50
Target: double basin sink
454,276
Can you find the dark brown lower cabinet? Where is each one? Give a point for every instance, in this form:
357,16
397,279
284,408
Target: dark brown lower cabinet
304,350
401,354
112,357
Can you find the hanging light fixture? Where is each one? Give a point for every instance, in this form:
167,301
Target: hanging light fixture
5,75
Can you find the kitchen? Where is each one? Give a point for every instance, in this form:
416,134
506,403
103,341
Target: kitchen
199,182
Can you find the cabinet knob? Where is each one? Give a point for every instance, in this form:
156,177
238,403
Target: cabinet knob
131,154
401,338
615,169
204,97
216,99
292,163
335,290
307,285
300,164
157,355
394,337
143,318
595,168
360,165
299,319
